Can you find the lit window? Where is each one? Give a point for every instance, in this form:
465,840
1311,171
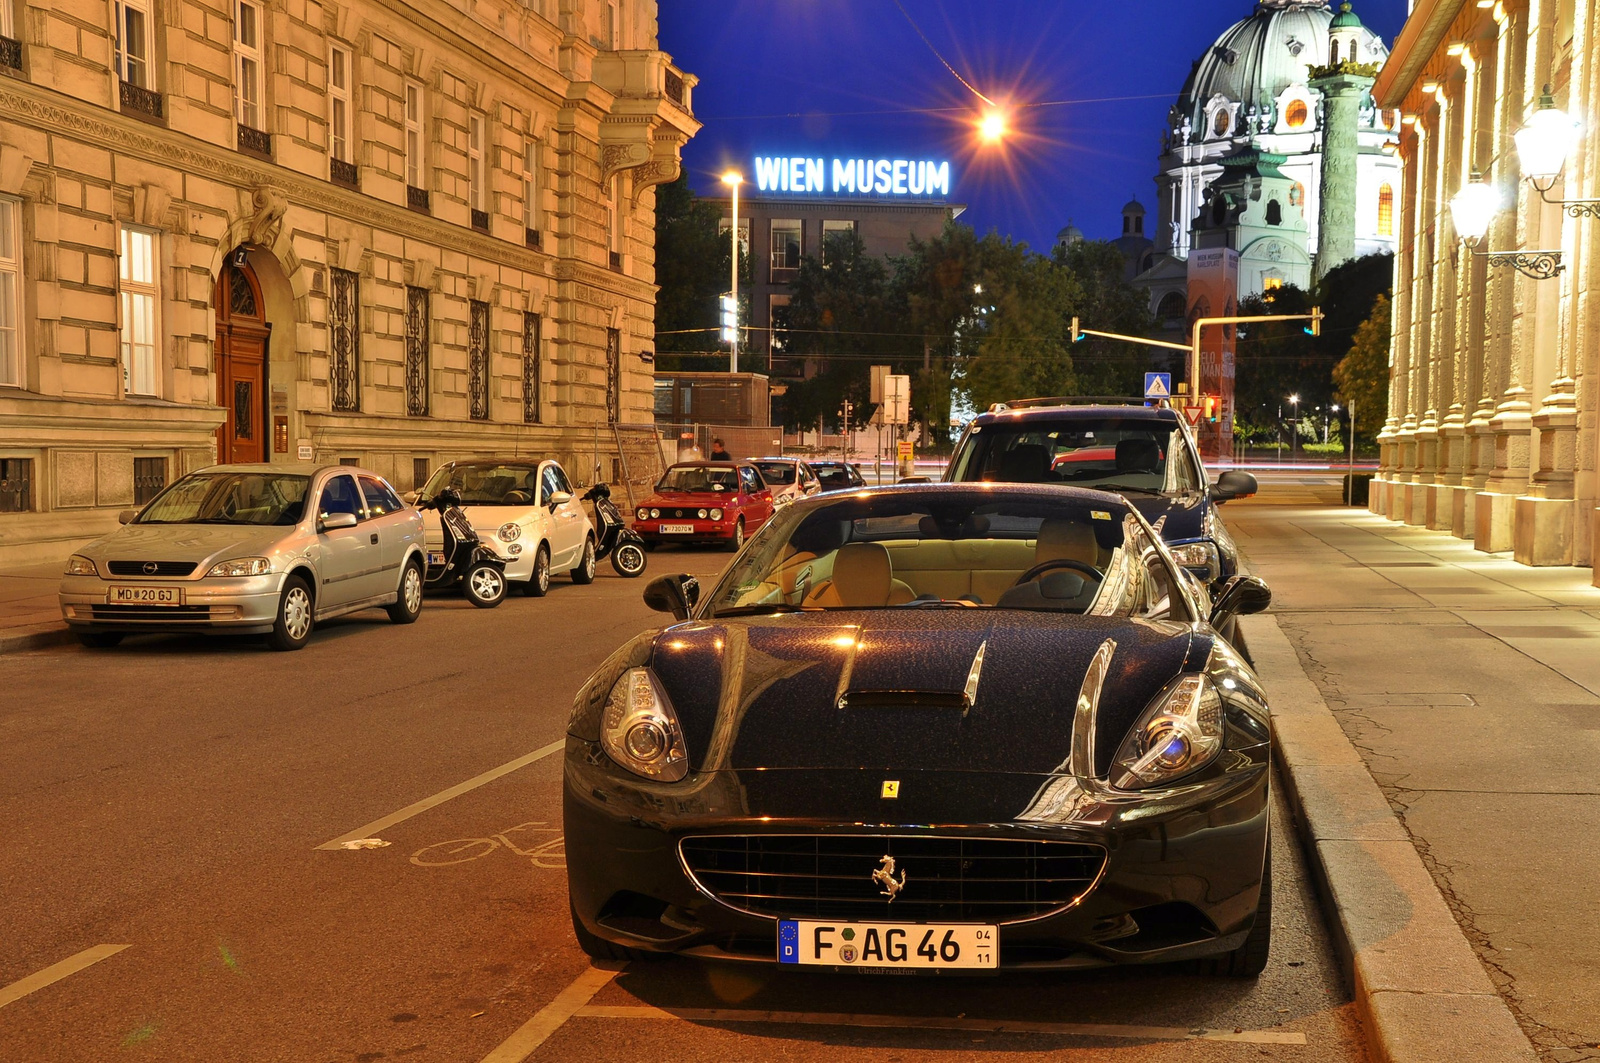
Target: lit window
133,43
786,243
1297,114
247,64
833,234
475,176
1271,284
1386,210
339,103
1297,195
140,303
778,315
1221,122
530,186
10,293
414,142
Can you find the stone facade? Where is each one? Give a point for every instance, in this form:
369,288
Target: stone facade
1491,432
459,261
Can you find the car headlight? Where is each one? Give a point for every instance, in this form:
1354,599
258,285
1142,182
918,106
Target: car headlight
510,532
1180,732
643,514
1202,558
654,513
716,514
242,566
702,514
640,730
78,565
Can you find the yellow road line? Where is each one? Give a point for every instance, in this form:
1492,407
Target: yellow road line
378,826
569,1002
934,1022
55,972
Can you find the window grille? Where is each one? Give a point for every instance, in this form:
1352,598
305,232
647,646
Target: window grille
417,351
344,325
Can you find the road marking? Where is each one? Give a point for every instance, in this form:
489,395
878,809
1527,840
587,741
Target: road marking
56,972
378,826
933,1022
550,1018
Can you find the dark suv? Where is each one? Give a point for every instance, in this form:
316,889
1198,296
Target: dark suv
1142,452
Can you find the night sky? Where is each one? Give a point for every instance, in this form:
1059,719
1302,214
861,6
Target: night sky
758,60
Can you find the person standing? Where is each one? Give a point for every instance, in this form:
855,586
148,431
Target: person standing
719,452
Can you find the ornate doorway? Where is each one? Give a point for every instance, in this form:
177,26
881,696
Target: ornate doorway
241,365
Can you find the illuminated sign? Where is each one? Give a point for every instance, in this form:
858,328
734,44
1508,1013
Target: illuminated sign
858,177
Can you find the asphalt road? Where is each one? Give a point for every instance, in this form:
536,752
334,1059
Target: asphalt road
170,797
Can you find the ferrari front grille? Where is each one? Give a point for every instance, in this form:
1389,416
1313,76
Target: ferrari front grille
938,879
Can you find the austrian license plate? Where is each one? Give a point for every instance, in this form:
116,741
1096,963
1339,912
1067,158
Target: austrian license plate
435,558
900,946
677,529
145,596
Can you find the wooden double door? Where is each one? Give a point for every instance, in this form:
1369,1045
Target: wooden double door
243,336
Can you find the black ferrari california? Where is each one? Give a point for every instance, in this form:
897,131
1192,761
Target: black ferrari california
945,728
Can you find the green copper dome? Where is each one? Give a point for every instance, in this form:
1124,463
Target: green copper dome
1346,19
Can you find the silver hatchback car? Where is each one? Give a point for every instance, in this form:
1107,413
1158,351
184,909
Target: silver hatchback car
250,549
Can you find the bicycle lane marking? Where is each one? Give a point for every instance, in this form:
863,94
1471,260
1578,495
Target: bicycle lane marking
378,826
549,854
56,972
550,1018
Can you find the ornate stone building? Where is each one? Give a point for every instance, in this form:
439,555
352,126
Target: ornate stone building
1492,412
385,231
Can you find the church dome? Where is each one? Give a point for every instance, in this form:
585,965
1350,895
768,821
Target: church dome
1257,58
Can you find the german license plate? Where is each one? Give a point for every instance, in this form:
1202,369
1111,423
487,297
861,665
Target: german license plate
145,596
901,946
677,529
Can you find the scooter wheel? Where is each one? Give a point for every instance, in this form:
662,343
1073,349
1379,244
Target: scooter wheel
485,585
628,560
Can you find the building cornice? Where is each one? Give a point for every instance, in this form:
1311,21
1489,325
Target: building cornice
1418,41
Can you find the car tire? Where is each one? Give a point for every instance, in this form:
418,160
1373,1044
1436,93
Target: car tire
408,599
737,539
599,948
538,584
291,627
628,560
100,640
1250,959
484,584
584,573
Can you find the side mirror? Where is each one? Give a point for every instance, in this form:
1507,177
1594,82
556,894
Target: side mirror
677,595
1233,484
1241,596
126,516
560,498
335,521
414,497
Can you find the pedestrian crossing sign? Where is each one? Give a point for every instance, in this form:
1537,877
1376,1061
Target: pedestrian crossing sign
1158,385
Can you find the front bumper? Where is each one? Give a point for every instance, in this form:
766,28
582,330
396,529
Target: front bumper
243,605
705,531
1182,877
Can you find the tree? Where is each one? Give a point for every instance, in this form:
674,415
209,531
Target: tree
1363,374
1104,300
692,273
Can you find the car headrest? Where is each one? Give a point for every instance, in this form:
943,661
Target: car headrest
1027,464
1066,539
1138,455
862,575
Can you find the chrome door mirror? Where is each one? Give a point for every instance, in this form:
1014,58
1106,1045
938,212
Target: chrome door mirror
335,521
1233,484
1241,596
677,595
126,516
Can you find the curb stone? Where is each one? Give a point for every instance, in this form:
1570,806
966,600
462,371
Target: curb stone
35,638
1420,988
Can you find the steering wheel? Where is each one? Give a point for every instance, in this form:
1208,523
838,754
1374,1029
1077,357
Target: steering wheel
1060,562
517,497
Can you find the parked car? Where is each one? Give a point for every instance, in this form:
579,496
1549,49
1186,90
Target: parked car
250,549
837,475
525,512
847,754
705,502
790,478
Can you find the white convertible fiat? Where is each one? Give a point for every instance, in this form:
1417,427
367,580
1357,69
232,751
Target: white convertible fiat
525,512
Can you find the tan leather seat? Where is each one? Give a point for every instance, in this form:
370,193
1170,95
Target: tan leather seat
1067,539
862,578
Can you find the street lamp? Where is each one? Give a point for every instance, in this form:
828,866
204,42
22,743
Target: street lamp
734,179
993,126
1473,209
1294,423
1543,145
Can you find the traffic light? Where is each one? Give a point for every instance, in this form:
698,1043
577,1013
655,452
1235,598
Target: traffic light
1212,413
1077,333
730,319
1315,328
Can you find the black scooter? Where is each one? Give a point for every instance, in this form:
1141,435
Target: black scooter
616,538
464,559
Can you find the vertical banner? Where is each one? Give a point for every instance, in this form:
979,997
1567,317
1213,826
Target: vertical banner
1214,292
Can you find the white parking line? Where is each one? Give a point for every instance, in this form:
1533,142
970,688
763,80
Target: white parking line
378,826
926,1022
569,1002
55,972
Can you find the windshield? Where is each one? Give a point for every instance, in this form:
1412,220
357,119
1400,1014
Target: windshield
1110,453
777,473
488,484
699,478
953,550
230,498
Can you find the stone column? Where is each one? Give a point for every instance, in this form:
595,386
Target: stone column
1417,345
1342,94
1383,485
1455,162
1427,432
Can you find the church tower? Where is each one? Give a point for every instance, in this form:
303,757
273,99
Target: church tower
1344,84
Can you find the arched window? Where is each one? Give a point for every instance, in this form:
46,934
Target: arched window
1296,114
1274,212
1333,56
1172,307
1386,210
1221,122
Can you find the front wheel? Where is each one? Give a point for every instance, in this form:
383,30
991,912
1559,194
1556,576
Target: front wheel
292,626
485,584
538,584
408,602
1250,959
628,559
737,539
584,573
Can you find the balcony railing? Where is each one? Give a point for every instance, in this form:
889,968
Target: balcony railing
10,53
255,142
674,86
140,101
344,173
417,198
533,238
480,220
616,261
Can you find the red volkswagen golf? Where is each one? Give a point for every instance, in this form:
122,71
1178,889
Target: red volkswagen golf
705,502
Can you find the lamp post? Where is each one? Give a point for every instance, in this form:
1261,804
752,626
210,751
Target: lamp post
733,179
1473,209
1294,425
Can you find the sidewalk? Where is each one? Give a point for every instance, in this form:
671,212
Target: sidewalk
1471,687
30,616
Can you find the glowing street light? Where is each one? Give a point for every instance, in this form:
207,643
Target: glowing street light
1473,208
993,127
733,179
